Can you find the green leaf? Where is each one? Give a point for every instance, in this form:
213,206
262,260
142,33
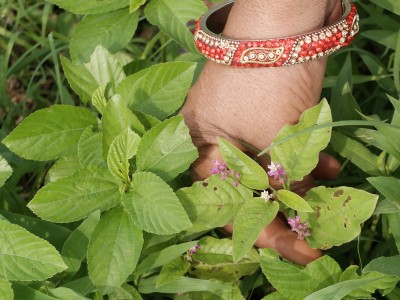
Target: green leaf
76,197
172,16
135,4
112,30
385,283
388,187
80,79
5,170
385,265
116,118
63,293
386,206
386,38
300,155
338,214
50,133
296,282
293,201
90,6
125,292
181,285
63,167
83,286
24,256
251,219
90,149
343,104
166,149
213,202
99,99
114,250
105,69
75,247
172,271
394,223
159,90
160,258
53,233
122,149
339,290
25,292
392,5
154,206
214,260
6,291
252,174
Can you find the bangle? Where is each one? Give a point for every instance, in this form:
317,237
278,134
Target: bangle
275,52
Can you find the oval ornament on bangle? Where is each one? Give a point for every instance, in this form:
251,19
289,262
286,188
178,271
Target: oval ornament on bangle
257,55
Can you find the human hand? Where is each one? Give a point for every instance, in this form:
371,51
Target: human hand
251,105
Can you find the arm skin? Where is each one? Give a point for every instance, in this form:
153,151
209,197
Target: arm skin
251,105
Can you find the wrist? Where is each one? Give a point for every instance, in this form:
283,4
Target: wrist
260,18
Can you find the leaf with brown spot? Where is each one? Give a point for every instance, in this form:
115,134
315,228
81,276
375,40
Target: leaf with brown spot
336,222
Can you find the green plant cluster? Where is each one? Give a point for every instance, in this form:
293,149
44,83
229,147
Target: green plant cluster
96,199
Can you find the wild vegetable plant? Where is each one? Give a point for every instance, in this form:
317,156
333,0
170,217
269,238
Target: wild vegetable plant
117,216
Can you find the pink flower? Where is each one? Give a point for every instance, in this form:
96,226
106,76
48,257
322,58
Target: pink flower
277,171
194,249
299,227
223,170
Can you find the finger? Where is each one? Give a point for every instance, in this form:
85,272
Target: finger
201,168
279,237
328,167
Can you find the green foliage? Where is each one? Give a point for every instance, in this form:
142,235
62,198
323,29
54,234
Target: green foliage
252,174
49,133
251,219
24,256
299,155
116,168
338,214
114,250
154,206
171,17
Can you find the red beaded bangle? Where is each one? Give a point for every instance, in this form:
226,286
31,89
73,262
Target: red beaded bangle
273,52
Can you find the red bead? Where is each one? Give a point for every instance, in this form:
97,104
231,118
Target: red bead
303,53
319,49
311,52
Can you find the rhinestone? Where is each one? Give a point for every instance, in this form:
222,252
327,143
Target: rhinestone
307,58
344,32
300,59
271,55
246,58
261,56
334,29
226,58
297,49
315,38
342,40
314,56
321,54
340,26
207,41
292,61
322,36
211,43
295,55
252,55
278,52
301,42
352,33
307,39
216,44
328,33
